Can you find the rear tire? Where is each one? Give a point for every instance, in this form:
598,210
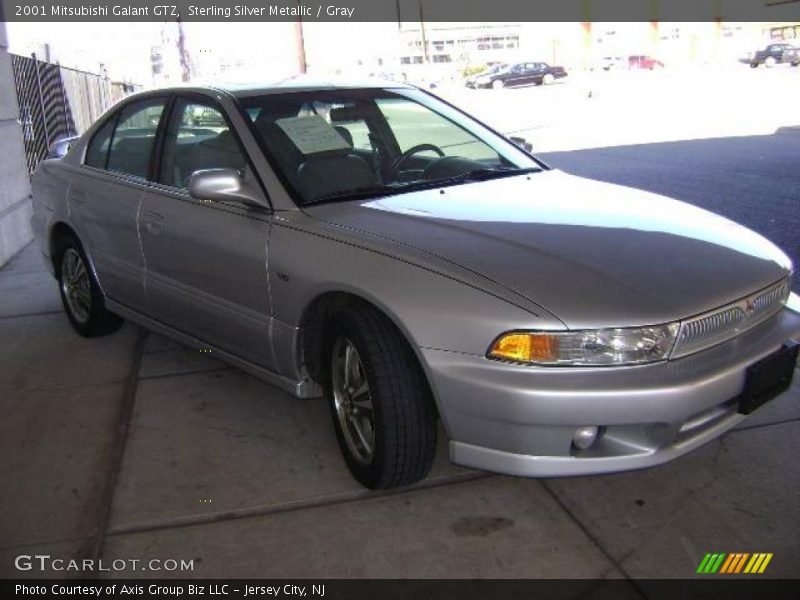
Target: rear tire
770,61
381,404
80,293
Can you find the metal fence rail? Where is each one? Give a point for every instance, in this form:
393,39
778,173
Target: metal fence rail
57,102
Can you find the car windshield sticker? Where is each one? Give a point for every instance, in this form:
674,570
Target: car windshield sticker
312,134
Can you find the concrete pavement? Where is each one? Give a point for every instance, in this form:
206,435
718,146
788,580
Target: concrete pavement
132,447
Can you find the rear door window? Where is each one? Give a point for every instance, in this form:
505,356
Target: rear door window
97,152
134,138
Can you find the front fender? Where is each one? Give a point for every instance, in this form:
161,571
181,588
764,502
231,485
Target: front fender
432,307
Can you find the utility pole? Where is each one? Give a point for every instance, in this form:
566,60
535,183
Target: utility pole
397,7
300,45
183,54
425,59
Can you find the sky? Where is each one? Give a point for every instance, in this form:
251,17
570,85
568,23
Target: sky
266,48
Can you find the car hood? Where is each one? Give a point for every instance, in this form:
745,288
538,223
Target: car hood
593,254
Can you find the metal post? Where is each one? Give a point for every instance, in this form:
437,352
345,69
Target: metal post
41,100
67,127
87,90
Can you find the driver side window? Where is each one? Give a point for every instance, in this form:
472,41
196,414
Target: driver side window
198,137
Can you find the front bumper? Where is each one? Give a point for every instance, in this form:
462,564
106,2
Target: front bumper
520,420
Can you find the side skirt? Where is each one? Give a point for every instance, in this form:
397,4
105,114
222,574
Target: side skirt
305,388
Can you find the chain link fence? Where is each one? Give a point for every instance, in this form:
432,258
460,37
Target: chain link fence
57,102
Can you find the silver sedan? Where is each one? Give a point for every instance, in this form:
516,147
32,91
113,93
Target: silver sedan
381,248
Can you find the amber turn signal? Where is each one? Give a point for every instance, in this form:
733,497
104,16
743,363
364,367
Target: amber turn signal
526,347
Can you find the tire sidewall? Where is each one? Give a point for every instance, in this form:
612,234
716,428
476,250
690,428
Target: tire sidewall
345,325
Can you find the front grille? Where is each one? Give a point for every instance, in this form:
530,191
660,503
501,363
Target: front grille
726,322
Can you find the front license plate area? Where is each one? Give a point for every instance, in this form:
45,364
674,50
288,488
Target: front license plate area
767,378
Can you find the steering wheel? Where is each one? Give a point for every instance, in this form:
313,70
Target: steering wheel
398,162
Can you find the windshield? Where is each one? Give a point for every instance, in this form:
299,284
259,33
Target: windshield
338,144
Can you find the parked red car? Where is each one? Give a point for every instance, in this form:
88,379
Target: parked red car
641,61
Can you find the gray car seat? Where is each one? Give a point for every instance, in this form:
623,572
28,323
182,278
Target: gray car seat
326,173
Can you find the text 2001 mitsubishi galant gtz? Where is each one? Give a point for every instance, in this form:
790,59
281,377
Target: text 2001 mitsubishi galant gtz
382,248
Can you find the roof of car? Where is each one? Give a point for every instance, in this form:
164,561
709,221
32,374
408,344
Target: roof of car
300,83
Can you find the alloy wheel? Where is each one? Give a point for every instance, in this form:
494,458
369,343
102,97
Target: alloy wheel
76,285
355,410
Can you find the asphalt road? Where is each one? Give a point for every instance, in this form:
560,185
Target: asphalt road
752,180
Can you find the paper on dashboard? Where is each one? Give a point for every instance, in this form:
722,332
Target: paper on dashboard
312,134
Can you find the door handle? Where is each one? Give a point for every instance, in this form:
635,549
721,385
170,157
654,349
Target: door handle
153,222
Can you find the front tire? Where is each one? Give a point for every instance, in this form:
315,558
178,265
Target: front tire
80,293
770,62
380,401
498,84
548,79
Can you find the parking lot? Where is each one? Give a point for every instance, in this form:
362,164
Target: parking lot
133,447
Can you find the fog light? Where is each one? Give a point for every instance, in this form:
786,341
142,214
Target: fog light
584,437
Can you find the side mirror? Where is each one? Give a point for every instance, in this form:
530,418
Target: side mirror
222,185
522,143
60,147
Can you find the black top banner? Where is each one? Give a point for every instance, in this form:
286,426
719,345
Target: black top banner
401,10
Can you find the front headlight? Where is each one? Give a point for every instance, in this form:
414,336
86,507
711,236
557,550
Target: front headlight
597,347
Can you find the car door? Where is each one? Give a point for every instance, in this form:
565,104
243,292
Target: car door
515,75
528,74
535,73
206,261
106,193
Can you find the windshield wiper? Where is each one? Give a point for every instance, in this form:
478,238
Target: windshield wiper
485,174
369,191
374,191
